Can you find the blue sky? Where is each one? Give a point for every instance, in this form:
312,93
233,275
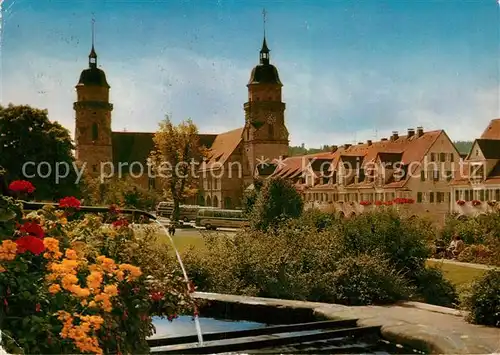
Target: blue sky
352,70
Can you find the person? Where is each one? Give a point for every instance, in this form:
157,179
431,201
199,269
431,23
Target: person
171,228
456,246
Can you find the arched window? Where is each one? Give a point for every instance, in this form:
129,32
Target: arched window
215,202
95,132
209,202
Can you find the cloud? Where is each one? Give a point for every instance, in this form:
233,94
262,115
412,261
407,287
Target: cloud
324,105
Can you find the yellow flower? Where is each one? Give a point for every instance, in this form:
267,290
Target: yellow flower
63,220
71,254
134,271
2,269
79,291
51,244
55,288
8,250
111,290
68,281
94,280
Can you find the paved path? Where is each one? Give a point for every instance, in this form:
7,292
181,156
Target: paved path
459,263
437,330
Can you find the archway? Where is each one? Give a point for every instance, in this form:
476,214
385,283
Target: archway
215,202
209,201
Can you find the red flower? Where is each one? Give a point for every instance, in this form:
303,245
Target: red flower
120,223
476,203
378,203
365,203
38,307
461,202
410,200
70,202
32,228
30,243
157,296
114,209
21,186
388,203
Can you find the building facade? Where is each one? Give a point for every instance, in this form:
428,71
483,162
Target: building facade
415,170
477,189
232,158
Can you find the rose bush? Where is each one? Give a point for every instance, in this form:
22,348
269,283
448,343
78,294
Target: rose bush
76,283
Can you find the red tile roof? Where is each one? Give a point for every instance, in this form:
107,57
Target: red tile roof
223,146
493,130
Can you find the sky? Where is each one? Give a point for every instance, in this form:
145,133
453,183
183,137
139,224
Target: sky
352,70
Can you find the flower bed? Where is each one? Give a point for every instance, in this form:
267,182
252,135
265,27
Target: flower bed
460,202
476,203
69,286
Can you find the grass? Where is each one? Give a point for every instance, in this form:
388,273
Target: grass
457,274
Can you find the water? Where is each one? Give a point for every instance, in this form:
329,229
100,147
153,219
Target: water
186,278
184,325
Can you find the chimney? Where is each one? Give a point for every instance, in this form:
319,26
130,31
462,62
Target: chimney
346,146
334,148
420,131
369,142
411,132
383,139
395,135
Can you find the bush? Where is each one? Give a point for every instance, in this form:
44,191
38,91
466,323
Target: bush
365,280
482,299
317,257
434,288
277,201
71,285
403,241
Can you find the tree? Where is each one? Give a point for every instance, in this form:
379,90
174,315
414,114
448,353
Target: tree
277,201
28,136
250,196
176,154
123,192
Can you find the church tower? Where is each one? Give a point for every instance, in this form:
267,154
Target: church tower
265,135
93,116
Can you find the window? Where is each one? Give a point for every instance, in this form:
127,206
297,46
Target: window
433,157
467,197
481,195
452,157
457,195
497,194
439,197
435,175
431,197
419,197
152,183
449,196
442,157
487,195
95,132
422,175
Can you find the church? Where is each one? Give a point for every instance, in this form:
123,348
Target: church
234,158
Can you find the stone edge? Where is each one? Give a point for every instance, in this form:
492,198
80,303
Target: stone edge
405,334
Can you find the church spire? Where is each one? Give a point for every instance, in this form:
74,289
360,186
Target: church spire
93,54
264,52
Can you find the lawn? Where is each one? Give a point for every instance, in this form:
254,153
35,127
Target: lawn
457,274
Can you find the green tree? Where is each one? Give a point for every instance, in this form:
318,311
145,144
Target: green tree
278,200
177,150
250,196
28,136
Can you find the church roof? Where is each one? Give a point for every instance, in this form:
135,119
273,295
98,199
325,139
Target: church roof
264,74
93,77
129,147
223,146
